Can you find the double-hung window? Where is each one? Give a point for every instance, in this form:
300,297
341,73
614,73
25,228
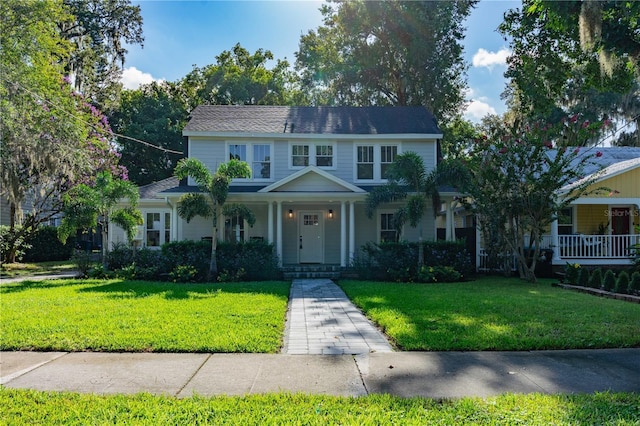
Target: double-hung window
365,163
373,161
565,221
388,232
312,154
258,156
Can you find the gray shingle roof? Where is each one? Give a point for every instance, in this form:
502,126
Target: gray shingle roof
312,120
151,190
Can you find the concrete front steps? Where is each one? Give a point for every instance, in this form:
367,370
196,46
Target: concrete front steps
292,272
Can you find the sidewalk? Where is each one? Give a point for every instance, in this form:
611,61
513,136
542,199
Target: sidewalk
427,374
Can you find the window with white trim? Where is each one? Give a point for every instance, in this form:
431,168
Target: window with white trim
234,229
388,233
365,162
324,155
565,221
373,161
157,229
321,154
257,155
299,155
387,156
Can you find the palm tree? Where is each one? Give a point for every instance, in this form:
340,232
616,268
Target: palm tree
88,206
409,181
216,187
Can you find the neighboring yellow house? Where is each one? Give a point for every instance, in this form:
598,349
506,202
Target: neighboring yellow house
597,229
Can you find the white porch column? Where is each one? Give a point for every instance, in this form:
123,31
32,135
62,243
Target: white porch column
270,224
279,233
352,231
555,242
343,234
174,222
450,233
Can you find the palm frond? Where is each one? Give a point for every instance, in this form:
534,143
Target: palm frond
384,194
192,205
196,170
240,210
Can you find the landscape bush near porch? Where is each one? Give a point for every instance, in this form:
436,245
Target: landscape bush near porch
443,261
188,261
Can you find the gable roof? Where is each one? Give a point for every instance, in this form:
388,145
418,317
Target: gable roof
323,182
311,120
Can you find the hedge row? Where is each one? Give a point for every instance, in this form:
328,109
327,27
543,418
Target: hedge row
622,282
188,261
442,261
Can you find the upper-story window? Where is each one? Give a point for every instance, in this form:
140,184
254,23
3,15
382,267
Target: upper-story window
300,155
314,154
365,162
258,156
373,161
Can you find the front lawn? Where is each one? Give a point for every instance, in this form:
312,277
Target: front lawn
495,313
34,407
137,316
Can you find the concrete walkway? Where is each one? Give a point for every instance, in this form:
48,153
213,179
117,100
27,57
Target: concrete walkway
407,374
322,321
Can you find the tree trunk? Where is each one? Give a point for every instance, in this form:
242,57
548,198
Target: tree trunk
105,245
213,262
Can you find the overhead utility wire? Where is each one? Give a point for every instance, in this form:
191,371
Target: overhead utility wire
110,133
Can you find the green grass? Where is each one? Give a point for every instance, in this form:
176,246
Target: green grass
16,270
35,407
495,314
137,316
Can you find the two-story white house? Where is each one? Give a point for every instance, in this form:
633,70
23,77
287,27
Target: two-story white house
312,168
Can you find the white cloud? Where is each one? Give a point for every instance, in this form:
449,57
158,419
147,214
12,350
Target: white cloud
478,109
132,78
484,58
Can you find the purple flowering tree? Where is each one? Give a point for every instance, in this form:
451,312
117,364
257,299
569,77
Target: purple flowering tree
514,182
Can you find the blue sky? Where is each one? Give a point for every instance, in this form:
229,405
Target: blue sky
180,34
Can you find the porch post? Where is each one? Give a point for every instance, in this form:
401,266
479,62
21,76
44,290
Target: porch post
352,231
450,231
279,233
270,223
343,234
555,242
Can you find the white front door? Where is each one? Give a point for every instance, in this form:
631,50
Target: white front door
310,241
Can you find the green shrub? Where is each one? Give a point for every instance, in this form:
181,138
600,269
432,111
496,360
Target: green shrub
572,272
583,277
622,283
609,280
188,253
634,284
120,256
45,246
183,274
231,277
595,281
12,240
256,259
399,261
84,262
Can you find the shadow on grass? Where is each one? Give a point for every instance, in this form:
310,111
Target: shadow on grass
16,287
181,291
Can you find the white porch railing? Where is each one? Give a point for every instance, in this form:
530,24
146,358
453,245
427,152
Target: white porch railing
579,246
596,246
